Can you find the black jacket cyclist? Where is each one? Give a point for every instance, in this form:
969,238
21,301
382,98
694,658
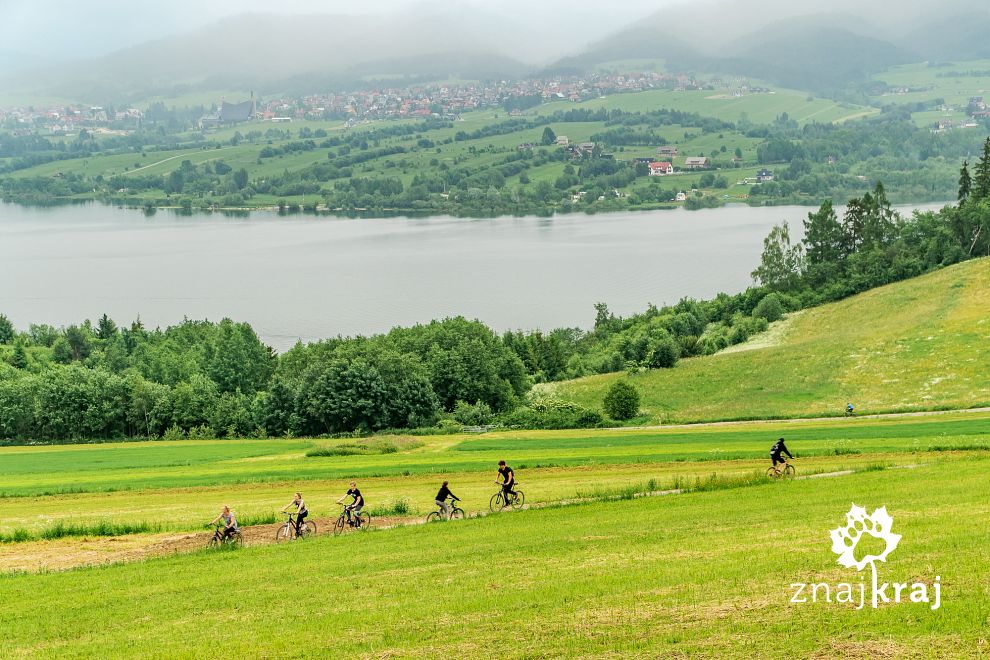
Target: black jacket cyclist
775,452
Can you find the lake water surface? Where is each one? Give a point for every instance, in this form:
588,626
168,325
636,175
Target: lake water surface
305,277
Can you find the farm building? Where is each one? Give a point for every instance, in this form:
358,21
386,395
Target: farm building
696,163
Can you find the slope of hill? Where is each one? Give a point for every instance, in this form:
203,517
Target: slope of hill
261,51
915,345
808,53
956,37
818,52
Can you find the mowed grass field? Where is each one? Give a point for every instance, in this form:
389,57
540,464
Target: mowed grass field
180,485
921,344
955,82
701,574
761,108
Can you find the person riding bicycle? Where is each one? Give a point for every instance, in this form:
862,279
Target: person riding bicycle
775,453
441,499
849,409
301,510
508,481
229,521
355,506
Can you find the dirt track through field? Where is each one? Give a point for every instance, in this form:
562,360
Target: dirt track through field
68,553
802,420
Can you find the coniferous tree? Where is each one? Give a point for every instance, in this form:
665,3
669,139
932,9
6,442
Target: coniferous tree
965,182
981,180
823,243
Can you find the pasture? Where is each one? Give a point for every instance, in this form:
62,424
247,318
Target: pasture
924,347
706,572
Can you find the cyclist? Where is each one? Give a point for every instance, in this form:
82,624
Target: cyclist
775,453
355,506
441,499
301,510
849,409
229,521
508,481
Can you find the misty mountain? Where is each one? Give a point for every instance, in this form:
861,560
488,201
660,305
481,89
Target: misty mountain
808,53
951,37
818,53
650,41
261,51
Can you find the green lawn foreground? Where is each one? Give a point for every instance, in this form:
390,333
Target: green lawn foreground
704,574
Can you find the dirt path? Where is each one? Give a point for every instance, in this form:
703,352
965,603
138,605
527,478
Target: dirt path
73,552
802,420
165,160
68,553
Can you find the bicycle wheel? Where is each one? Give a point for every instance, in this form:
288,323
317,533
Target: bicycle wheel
497,503
309,529
364,521
456,513
236,540
213,542
284,533
518,500
434,517
338,526
772,473
789,471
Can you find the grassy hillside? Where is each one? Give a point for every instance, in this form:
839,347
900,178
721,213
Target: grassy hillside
915,345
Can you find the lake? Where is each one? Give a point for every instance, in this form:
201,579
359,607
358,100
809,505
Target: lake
305,277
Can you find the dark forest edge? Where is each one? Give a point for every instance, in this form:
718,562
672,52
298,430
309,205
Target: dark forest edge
95,382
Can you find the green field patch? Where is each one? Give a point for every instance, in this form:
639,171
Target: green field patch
365,447
703,574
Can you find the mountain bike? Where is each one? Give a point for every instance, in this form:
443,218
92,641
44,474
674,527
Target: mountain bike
233,540
287,532
498,501
787,472
357,521
456,513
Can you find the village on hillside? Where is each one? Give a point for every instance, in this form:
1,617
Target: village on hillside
438,100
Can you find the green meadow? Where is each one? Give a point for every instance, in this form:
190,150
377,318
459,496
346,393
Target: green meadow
921,344
702,574
179,485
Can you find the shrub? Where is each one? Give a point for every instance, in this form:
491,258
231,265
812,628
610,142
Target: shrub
664,355
450,426
477,414
202,432
621,401
771,308
174,432
549,412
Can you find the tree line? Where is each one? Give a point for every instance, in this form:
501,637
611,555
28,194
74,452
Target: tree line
872,245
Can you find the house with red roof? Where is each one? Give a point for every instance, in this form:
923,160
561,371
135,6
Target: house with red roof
660,168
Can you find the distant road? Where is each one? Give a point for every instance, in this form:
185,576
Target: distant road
801,420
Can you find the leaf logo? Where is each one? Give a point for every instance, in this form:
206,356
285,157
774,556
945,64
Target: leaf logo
845,539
